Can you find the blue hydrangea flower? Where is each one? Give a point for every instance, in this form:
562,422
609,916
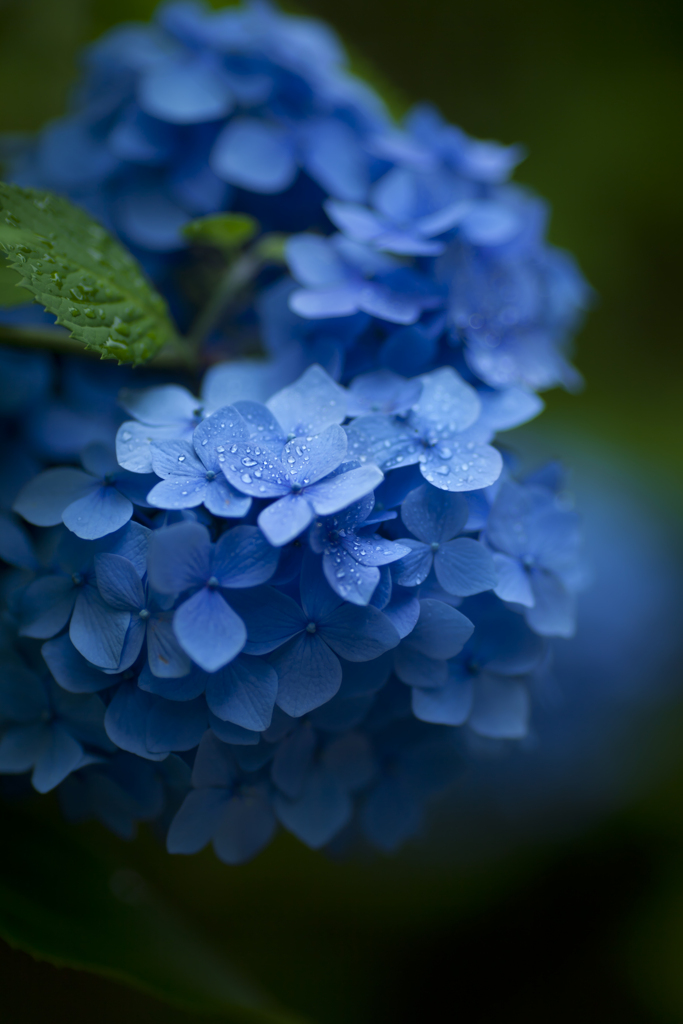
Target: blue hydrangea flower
463,566
350,560
91,504
439,633
440,433
307,639
182,558
536,542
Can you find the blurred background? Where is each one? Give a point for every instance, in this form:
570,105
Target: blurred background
587,925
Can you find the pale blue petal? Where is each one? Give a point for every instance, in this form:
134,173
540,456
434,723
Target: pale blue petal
513,580
335,158
262,424
446,398
310,404
503,410
176,458
179,492
414,568
351,581
164,405
101,512
403,611
134,443
223,500
383,439
554,611
308,672
385,304
189,93
285,519
327,303
461,465
338,492
208,630
314,263
309,459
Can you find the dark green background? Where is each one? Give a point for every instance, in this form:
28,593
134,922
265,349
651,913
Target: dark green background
592,930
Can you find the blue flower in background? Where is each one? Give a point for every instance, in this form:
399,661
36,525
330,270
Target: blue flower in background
45,730
91,504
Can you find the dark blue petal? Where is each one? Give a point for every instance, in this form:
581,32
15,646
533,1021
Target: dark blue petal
434,516
214,764
126,721
321,811
414,568
196,820
179,558
293,759
351,581
447,705
271,618
308,673
70,668
97,630
175,725
118,582
42,500
358,634
391,814
465,567
59,756
500,709
101,512
230,733
403,611
21,746
350,760
246,826
243,693
46,606
441,631
417,669
167,660
183,688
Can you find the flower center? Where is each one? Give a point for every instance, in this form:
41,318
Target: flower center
210,475
434,545
212,583
143,613
311,627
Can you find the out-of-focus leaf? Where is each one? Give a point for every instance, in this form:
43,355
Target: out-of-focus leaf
65,901
10,295
74,268
226,231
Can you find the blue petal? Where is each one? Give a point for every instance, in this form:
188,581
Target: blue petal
118,582
164,405
178,492
469,466
176,458
148,218
134,443
15,544
513,580
349,760
434,516
385,304
372,550
293,759
196,820
21,746
97,630
271,618
414,568
208,630
311,404
367,677
60,755
22,694
223,500
309,459
255,155
166,658
308,673
358,634
230,733
247,825
180,688
214,764
214,436
70,668
383,439
325,303
335,158
417,669
351,581
503,410
46,606
382,392
244,558
244,693
99,459
101,512
126,721
447,705
285,519
441,631
403,611
179,558
175,725
500,709
464,567
185,93
317,598
553,613
392,813
321,811
315,263
43,500
263,427
446,398
338,492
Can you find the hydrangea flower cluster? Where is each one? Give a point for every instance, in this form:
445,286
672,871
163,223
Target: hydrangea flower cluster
285,603
305,595
409,249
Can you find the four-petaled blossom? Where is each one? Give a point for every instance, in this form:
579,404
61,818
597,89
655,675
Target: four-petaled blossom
182,558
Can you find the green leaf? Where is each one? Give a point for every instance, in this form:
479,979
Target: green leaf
226,231
77,271
76,903
10,294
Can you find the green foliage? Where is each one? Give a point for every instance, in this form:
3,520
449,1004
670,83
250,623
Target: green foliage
71,901
10,295
74,268
226,231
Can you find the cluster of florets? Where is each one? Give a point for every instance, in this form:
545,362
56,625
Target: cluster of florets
409,246
305,602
